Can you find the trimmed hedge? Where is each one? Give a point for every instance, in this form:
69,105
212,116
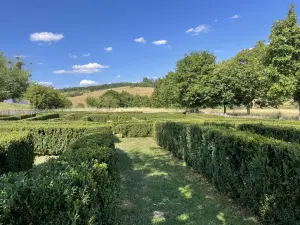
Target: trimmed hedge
134,129
261,172
45,117
20,117
52,138
16,152
289,134
80,187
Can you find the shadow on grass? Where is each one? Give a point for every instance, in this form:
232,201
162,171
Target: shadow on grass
157,189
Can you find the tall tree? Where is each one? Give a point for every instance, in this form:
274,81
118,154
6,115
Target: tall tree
192,73
14,79
283,60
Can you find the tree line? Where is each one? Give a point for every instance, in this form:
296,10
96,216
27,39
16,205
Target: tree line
266,75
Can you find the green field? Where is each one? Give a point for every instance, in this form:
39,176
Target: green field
13,106
166,168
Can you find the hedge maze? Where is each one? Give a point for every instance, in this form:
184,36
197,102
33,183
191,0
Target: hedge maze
256,162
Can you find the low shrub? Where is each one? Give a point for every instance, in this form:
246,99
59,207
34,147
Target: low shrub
134,129
80,187
18,117
16,151
45,116
286,133
261,172
53,138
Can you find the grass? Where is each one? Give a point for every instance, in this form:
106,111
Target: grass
13,106
132,90
158,189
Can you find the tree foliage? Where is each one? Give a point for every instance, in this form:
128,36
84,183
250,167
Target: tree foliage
42,97
14,79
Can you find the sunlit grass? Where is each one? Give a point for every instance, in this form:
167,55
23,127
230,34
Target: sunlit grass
13,106
158,189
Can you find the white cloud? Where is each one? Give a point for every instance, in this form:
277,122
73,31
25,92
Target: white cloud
86,54
46,36
39,63
215,21
119,76
21,56
217,51
160,42
83,69
197,30
140,40
46,83
250,48
234,17
108,49
72,56
87,83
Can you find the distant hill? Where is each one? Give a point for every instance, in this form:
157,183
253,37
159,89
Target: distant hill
145,91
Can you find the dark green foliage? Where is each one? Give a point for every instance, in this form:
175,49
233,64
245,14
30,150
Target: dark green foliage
16,151
42,97
261,172
45,116
134,129
96,88
20,117
285,133
146,82
80,187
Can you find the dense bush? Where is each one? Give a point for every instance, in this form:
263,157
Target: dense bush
286,133
16,151
18,117
114,99
45,116
53,139
261,172
42,97
134,129
80,187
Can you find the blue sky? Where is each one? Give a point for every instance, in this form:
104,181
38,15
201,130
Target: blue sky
100,41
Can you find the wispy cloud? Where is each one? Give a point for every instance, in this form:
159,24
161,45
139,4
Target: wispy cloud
46,83
140,40
216,21
108,49
217,51
199,29
21,56
234,17
86,54
160,42
39,63
72,56
46,36
87,83
83,69
119,76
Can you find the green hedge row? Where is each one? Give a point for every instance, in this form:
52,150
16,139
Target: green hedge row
45,116
16,151
261,172
134,129
80,187
53,139
19,117
286,133
121,116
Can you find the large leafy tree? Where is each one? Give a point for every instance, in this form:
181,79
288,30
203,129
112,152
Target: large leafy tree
192,74
14,79
283,60
42,97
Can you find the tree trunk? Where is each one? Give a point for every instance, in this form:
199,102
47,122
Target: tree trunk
248,109
224,107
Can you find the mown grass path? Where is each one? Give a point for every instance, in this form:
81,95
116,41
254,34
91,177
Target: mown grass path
158,189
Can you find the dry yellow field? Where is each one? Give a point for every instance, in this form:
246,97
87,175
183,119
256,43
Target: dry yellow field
132,90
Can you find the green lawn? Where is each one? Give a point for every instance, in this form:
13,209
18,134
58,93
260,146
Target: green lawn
158,189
